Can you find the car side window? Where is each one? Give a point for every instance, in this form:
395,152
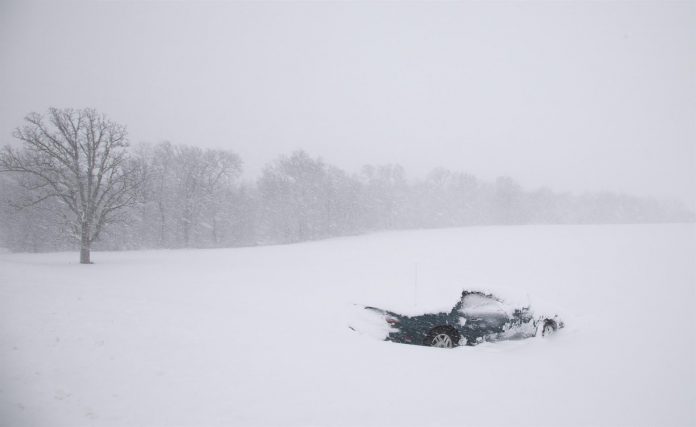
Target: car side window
481,305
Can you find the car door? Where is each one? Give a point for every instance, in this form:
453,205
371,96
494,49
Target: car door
482,314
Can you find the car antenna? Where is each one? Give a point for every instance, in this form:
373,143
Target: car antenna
415,285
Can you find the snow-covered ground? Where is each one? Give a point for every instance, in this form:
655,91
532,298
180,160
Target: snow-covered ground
259,336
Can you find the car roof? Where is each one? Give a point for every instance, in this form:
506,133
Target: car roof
466,292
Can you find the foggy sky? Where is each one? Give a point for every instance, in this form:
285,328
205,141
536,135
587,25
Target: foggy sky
574,96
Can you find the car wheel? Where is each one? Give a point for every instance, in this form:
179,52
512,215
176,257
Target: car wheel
549,328
442,337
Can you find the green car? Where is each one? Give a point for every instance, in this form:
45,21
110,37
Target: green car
477,317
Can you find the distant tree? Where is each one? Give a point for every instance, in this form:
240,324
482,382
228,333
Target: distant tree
160,187
385,196
342,203
80,158
445,199
219,171
31,229
189,192
508,202
294,192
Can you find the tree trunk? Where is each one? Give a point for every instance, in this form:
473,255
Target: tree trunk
162,223
215,237
85,244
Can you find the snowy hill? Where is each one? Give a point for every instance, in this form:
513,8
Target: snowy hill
259,336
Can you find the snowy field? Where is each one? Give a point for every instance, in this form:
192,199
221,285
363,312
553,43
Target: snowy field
260,337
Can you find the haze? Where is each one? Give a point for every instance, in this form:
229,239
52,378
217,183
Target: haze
573,96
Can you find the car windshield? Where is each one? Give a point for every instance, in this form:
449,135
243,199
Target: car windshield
481,304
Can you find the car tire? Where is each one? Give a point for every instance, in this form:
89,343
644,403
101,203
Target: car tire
442,337
549,328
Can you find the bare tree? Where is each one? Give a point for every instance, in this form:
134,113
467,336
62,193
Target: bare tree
80,158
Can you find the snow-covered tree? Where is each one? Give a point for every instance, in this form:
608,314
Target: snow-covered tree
293,193
385,196
80,158
189,191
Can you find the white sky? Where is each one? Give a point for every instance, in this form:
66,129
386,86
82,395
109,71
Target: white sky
574,96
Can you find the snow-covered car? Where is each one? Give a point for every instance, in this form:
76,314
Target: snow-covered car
477,317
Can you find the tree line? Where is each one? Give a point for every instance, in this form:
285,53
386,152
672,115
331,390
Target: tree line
76,182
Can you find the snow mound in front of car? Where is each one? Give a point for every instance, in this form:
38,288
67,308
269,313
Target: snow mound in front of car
369,323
